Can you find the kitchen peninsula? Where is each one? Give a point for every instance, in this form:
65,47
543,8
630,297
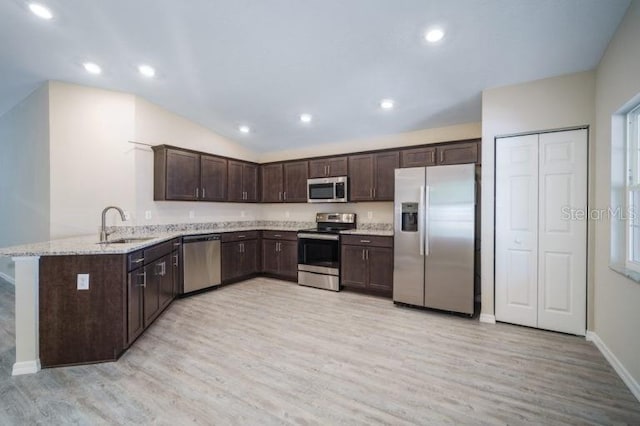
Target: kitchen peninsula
63,320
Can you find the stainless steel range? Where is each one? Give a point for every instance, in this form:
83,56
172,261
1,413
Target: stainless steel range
319,250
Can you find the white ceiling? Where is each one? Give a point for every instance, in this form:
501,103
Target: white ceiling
223,63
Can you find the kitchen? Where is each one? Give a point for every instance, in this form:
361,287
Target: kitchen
122,148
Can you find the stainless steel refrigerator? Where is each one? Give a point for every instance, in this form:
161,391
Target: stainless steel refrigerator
434,215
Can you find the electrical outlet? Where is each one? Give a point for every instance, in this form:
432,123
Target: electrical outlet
83,282
192,214
369,215
147,214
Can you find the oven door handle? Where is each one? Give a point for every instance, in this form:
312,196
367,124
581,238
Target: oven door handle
332,237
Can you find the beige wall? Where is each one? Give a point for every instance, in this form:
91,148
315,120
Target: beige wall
439,134
368,212
24,174
552,103
154,126
91,159
617,299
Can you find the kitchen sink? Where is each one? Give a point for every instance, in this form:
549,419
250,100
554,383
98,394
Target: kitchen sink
127,240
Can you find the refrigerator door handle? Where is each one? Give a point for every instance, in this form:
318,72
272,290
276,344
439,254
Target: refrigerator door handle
421,219
427,205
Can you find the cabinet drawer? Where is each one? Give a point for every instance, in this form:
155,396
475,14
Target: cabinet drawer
238,236
280,235
135,260
176,243
367,240
155,252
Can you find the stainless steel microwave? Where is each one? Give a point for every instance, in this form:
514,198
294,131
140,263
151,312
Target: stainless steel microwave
327,190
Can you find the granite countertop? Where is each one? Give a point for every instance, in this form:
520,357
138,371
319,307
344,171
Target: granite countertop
88,244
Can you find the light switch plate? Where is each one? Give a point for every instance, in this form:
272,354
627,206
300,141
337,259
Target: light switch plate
192,214
83,282
147,214
369,215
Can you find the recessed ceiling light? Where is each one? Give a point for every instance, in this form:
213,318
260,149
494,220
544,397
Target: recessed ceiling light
387,104
92,68
305,118
434,35
147,70
244,129
40,11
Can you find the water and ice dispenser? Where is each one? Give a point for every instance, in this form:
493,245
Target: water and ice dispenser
410,217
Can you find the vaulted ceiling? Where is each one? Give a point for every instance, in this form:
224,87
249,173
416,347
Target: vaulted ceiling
262,63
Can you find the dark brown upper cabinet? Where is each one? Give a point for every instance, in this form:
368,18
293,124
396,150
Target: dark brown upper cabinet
371,176
213,178
242,181
460,153
284,182
418,157
445,154
295,182
272,182
188,176
328,167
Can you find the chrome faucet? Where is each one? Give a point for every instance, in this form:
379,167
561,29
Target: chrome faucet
103,229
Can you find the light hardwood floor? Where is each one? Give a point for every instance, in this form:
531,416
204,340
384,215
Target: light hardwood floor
269,352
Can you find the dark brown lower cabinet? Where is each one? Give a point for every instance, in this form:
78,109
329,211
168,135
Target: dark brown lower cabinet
239,260
366,264
127,292
135,307
82,326
280,258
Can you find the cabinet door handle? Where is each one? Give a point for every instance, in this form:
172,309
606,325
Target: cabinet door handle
374,192
363,254
197,192
367,254
370,192
176,244
241,236
144,279
203,192
365,241
175,260
280,196
139,260
442,156
277,235
284,195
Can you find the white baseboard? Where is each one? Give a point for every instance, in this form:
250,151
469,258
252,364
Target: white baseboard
626,377
488,318
8,278
26,367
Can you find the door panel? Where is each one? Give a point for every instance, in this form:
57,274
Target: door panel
213,178
516,279
234,181
408,265
361,177
250,181
272,183
288,259
385,165
295,181
183,175
562,242
380,262
450,238
353,270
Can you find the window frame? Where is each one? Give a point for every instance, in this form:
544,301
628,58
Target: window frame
632,189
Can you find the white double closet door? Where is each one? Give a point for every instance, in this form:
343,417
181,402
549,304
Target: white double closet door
541,240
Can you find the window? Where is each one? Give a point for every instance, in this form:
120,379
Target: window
633,189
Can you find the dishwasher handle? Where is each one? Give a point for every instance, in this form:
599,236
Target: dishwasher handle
198,238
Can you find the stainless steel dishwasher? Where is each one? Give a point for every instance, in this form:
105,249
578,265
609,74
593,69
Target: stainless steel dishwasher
201,261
